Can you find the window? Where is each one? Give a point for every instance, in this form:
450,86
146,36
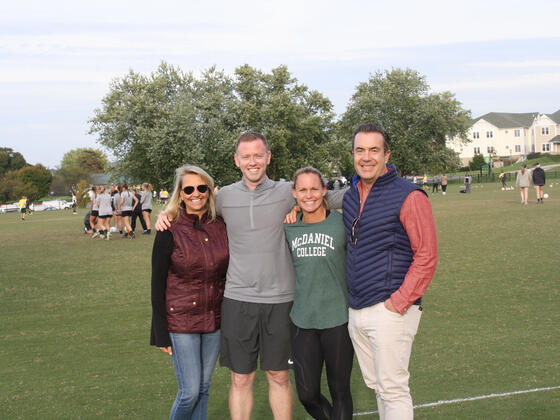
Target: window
489,134
489,149
546,147
477,150
516,133
544,131
517,148
475,135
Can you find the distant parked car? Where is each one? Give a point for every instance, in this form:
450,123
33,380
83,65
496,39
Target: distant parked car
43,207
8,208
58,204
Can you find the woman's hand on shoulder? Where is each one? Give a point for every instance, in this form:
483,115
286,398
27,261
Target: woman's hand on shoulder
162,222
291,217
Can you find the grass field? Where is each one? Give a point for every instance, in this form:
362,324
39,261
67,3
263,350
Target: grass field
75,319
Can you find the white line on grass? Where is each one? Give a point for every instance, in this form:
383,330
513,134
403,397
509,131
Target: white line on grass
479,397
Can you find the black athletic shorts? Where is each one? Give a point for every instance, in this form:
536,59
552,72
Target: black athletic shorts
106,216
250,330
23,210
95,213
126,213
147,210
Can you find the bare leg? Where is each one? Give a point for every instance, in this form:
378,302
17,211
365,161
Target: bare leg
280,394
127,224
241,396
539,189
146,215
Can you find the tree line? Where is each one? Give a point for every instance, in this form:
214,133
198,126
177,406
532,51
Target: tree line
154,123
18,178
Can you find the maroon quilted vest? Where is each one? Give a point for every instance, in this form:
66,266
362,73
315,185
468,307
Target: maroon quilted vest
196,275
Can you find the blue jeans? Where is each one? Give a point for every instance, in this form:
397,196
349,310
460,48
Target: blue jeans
194,358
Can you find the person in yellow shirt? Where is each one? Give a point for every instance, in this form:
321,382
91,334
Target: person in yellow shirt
22,207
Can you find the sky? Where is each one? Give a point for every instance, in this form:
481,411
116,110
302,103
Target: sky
58,58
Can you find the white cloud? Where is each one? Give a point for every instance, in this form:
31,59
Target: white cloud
324,28
506,82
54,75
517,64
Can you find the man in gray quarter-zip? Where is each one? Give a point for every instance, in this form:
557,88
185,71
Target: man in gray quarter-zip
260,279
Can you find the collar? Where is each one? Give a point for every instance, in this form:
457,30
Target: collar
384,179
263,185
187,218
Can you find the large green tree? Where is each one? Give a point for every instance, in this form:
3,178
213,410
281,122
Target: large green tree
418,122
31,181
155,123
93,160
297,121
10,160
12,188
477,162
78,164
39,177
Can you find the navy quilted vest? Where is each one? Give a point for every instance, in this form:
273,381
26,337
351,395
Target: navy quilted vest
377,264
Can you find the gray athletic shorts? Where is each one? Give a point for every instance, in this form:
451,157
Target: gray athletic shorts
252,329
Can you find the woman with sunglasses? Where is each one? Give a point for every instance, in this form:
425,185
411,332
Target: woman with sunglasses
189,265
319,314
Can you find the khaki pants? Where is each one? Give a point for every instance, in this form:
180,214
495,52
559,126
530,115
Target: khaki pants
383,341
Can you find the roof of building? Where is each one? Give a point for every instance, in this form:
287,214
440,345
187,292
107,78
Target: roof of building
513,120
555,139
508,119
555,116
99,179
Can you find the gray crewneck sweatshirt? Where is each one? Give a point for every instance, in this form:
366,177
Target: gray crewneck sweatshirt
260,263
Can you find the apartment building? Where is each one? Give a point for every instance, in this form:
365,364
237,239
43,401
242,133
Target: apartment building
510,135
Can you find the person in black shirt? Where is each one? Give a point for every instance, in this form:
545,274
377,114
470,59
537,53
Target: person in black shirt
137,212
539,179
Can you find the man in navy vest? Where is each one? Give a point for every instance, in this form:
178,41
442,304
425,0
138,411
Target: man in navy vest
391,259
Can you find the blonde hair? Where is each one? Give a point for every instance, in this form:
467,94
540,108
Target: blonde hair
101,189
172,207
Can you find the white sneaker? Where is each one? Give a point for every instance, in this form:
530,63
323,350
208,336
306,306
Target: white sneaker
95,235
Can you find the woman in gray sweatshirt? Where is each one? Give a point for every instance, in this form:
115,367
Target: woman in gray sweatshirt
146,202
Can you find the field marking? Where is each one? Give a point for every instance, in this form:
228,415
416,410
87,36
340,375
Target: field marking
479,397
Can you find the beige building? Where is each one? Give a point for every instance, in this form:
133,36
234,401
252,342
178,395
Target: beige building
509,135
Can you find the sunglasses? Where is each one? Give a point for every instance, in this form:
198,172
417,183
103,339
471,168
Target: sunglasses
190,189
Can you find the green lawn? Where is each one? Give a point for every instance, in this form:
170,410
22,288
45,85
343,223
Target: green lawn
75,319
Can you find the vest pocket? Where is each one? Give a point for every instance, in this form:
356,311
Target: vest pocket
389,272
